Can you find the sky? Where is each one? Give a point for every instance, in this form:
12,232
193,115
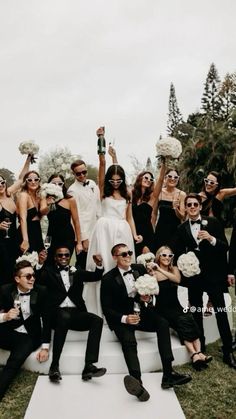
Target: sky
70,66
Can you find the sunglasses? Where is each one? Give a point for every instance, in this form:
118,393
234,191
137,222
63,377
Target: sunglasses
28,276
192,204
210,182
125,254
83,172
58,183
167,255
115,182
172,177
61,255
2,182
30,179
153,268
148,178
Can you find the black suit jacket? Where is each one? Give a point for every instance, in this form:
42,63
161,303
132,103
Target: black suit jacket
50,277
114,298
213,259
39,310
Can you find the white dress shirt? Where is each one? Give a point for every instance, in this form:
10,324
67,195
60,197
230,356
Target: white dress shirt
88,204
195,228
129,282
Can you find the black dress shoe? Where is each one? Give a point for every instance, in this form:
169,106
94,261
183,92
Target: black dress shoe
54,374
230,360
174,379
91,371
134,387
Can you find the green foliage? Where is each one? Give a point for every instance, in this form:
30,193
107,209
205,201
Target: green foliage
174,115
211,100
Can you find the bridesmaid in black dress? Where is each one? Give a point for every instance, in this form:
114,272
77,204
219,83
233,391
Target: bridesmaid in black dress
169,307
64,226
144,197
31,206
171,209
8,245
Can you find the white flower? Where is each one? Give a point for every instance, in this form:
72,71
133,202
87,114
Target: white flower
30,257
169,147
56,161
28,147
145,258
72,269
204,223
50,189
188,264
147,285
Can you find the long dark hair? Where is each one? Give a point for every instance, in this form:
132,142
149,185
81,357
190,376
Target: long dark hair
137,189
218,177
115,169
7,193
64,189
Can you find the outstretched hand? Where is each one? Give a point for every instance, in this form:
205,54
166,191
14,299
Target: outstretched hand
97,259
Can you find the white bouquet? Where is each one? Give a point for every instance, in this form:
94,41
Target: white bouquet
188,264
145,258
147,285
50,189
28,147
30,257
169,147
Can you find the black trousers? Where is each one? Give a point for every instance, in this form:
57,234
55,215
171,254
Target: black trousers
216,296
150,322
20,345
72,319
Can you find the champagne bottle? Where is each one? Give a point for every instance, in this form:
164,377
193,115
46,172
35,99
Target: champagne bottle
101,144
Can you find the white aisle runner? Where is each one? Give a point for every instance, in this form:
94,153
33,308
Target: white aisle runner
101,398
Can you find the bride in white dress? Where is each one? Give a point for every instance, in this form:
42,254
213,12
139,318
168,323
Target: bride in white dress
116,225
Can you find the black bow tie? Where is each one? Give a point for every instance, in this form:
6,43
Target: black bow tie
86,183
128,272
24,293
195,222
63,268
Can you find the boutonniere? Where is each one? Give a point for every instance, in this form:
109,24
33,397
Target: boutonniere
72,269
204,223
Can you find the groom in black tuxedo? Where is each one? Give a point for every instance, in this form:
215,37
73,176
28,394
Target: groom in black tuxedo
118,295
205,237
20,328
68,310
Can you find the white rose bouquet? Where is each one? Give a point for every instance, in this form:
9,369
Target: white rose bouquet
147,285
145,258
30,257
168,147
50,189
188,264
29,148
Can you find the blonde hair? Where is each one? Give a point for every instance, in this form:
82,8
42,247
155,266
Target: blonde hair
161,250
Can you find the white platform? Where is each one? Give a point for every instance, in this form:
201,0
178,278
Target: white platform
101,398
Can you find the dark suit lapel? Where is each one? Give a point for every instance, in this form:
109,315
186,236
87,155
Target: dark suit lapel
33,298
71,278
59,279
189,234
136,274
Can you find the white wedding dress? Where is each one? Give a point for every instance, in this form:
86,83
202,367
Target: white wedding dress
110,229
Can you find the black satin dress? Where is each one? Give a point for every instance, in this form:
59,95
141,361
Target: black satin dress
34,232
142,218
167,224
8,247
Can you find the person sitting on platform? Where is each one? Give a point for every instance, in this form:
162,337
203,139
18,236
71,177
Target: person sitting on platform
118,295
68,310
22,306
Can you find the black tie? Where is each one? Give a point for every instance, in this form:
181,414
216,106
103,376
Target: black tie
24,293
63,268
128,272
86,183
195,222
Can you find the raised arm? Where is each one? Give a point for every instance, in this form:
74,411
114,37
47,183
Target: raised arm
226,193
17,184
112,153
158,185
102,165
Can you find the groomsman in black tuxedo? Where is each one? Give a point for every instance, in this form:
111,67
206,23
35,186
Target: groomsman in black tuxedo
68,310
20,328
205,237
118,295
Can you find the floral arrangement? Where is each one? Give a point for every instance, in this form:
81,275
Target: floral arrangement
147,285
188,264
72,269
145,258
56,161
29,148
168,147
30,257
50,189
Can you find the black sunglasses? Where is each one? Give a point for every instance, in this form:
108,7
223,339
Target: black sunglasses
192,204
2,182
83,172
125,254
28,276
61,255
